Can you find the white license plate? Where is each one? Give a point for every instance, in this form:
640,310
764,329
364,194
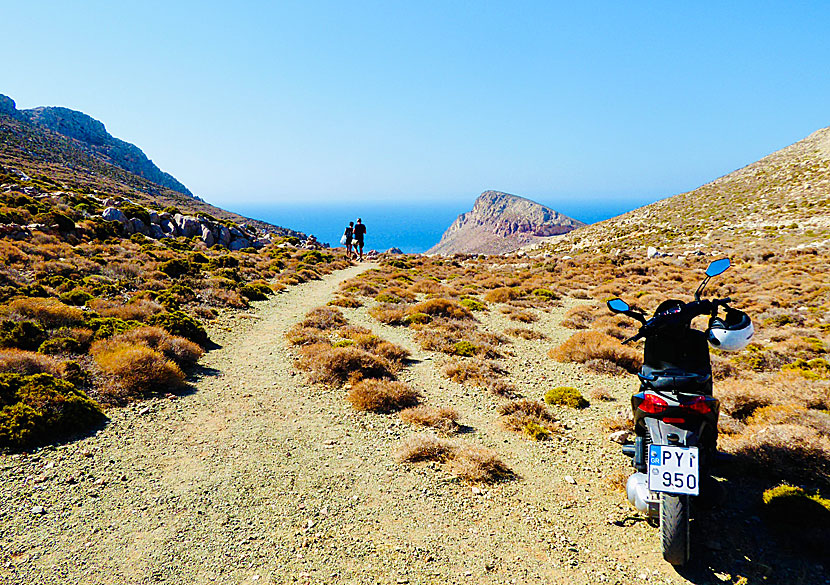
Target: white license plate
673,469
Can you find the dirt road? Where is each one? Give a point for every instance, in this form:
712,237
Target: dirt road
259,477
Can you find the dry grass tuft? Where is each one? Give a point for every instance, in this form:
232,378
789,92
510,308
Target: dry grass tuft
28,363
444,419
324,318
423,447
136,369
475,370
601,393
382,396
49,312
389,314
441,308
337,365
299,335
525,333
529,417
185,353
475,464
588,345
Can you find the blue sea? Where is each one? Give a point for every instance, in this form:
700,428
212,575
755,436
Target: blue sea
412,227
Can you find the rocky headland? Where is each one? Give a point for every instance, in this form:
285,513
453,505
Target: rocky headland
500,223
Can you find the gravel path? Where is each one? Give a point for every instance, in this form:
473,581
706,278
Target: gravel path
258,477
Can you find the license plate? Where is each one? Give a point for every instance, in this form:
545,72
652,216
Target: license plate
673,469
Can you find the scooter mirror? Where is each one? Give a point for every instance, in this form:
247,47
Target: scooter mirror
618,306
718,267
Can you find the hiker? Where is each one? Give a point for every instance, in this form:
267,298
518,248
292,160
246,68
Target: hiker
359,232
347,239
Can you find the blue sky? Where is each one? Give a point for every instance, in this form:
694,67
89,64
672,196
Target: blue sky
286,102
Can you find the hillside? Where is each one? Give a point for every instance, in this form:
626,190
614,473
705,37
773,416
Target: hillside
782,201
500,223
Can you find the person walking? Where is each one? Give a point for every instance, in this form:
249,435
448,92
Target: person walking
348,235
359,232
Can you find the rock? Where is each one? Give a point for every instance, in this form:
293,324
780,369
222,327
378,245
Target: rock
187,225
651,252
207,236
239,244
224,236
394,251
570,480
114,214
7,105
140,227
621,437
38,510
156,232
154,217
169,227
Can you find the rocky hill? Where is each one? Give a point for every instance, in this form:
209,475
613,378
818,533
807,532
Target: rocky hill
500,223
93,135
780,202
57,150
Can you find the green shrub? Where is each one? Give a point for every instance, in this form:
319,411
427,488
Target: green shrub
198,258
226,261
566,396
465,348
75,297
387,297
545,294
417,318
40,409
60,345
26,335
181,324
108,326
175,268
802,517
536,431
472,304
256,291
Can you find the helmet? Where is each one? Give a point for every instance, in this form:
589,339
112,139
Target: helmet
731,332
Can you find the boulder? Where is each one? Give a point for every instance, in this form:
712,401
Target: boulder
239,244
140,227
169,228
113,214
224,236
207,236
156,232
154,217
394,251
188,225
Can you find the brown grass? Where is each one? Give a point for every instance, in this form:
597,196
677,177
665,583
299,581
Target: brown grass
469,463
601,393
529,417
382,396
580,317
443,419
138,310
474,370
299,335
525,333
185,353
324,318
389,314
137,369
587,345
28,362
337,365
51,313
440,307
423,447
502,295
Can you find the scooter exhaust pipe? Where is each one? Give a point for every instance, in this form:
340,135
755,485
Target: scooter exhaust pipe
637,489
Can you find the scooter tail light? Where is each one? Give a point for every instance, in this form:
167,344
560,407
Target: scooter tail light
674,421
652,404
699,404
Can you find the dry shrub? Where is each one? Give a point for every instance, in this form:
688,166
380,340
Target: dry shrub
28,363
337,365
299,335
467,462
522,316
580,317
740,398
423,447
346,301
426,286
49,312
221,297
619,422
525,333
441,308
382,396
529,417
138,310
353,331
616,480
474,370
783,452
601,366
502,295
729,426
360,286
791,414
500,388
475,464
444,419
587,345
389,314
601,393
137,369
324,318
184,352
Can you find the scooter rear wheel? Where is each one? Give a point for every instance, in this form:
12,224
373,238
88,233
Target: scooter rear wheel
674,528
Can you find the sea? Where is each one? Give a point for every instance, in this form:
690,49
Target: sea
412,227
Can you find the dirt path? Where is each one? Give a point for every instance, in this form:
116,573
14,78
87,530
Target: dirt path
259,477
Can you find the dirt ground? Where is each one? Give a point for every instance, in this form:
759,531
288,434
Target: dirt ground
258,477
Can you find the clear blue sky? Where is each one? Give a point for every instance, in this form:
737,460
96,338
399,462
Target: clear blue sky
296,101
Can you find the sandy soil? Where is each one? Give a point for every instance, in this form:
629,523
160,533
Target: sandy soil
258,477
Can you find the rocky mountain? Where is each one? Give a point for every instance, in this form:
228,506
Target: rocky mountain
779,202
93,135
500,223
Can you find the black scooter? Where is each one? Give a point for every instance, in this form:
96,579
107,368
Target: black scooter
675,415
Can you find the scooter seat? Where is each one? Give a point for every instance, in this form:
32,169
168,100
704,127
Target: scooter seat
676,381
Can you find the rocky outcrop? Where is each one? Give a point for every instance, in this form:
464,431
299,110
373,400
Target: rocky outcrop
500,223
94,136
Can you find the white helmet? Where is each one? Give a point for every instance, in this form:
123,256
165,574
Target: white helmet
731,332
